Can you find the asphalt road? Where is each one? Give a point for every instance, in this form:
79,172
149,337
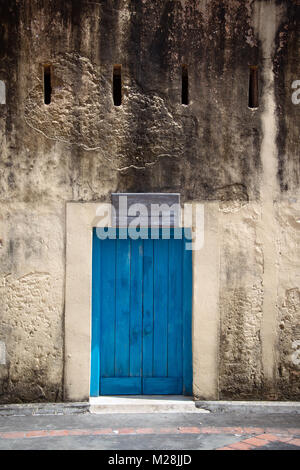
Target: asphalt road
172,431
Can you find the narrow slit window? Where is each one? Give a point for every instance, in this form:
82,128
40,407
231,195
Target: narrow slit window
253,87
185,85
47,84
117,85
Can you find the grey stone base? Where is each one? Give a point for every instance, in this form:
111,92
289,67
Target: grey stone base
250,406
40,409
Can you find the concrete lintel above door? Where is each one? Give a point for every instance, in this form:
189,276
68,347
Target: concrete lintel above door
129,206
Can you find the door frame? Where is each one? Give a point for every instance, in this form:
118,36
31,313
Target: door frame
81,218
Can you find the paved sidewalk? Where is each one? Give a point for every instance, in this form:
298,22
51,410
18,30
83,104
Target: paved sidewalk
217,430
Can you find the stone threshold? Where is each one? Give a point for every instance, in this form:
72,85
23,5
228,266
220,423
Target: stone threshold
144,404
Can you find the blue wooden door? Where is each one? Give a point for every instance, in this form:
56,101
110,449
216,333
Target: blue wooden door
141,317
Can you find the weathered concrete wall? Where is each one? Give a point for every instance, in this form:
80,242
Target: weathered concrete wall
81,148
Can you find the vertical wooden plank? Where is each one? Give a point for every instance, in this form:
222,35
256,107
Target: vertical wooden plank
148,309
160,347
175,309
187,321
107,287
122,308
136,298
95,353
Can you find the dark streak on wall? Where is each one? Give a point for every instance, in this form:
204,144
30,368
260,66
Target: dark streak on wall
287,70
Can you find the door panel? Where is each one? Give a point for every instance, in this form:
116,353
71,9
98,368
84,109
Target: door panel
148,308
175,343
142,307
136,309
122,323
187,283
160,331
107,260
121,386
162,386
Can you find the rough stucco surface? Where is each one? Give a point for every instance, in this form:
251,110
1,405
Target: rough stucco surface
81,148
288,366
241,298
31,288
